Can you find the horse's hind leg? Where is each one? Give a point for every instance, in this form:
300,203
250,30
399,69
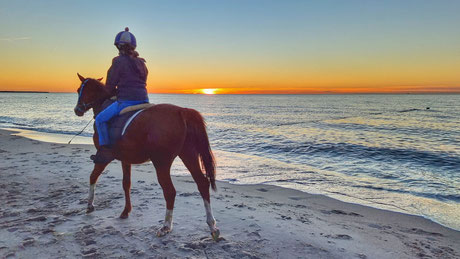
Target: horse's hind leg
98,169
169,193
190,160
127,188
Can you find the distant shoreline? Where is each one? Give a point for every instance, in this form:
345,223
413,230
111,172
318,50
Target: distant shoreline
331,93
35,92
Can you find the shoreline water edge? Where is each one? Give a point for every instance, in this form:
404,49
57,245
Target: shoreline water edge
178,170
45,184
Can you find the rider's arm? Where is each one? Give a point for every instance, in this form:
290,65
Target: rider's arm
113,77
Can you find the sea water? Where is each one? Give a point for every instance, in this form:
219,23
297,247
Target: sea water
397,152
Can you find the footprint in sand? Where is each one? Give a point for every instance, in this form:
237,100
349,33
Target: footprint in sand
89,252
377,226
28,241
295,198
284,217
188,194
340,212
39,218
340,236
421,232
254,234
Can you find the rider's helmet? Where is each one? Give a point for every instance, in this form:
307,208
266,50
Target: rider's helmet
125,37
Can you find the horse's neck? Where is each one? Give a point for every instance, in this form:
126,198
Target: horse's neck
97,108
100,105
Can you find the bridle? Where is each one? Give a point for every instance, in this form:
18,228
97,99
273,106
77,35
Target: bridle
80,105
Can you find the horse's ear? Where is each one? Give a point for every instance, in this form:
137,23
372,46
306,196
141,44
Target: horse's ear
81,78
100,79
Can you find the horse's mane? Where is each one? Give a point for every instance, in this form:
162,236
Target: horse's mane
100,85
98,82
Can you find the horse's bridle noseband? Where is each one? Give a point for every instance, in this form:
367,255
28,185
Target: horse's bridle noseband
86,106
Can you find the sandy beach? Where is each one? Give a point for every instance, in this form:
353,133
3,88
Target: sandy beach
44,189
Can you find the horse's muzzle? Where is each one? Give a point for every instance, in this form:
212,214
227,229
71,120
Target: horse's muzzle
79,111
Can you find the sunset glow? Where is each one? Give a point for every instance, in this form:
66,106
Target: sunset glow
238,47
209,91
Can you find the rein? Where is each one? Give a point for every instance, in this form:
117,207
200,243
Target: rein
80,131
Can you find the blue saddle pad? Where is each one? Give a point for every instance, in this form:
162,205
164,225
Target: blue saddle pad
116,125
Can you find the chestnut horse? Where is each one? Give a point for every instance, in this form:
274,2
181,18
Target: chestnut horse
159,134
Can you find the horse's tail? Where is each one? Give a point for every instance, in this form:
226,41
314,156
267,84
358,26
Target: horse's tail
198,137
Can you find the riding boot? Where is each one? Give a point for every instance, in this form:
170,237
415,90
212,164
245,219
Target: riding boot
104,155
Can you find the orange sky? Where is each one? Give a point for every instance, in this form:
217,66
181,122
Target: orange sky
56,72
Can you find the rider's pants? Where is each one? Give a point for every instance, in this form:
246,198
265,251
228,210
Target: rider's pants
108,113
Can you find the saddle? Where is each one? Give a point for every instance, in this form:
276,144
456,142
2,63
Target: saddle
118,124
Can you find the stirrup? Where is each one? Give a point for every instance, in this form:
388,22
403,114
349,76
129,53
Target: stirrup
103,155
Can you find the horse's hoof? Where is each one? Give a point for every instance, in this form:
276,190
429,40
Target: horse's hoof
124,216
163,231
89,209
215,234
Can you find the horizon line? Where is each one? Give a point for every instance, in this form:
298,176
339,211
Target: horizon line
287,93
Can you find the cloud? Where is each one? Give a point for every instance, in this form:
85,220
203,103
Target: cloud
15,39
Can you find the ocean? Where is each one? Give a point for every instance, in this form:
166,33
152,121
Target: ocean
395,152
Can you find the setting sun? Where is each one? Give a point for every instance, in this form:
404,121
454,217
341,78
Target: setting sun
209,91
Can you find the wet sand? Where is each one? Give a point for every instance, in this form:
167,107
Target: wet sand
44,188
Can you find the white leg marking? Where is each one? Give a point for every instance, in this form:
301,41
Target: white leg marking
90,207
167,225
209,217
92,188
168,219
215,233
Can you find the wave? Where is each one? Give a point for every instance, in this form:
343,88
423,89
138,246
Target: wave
431,159
410,110
437,196
415,130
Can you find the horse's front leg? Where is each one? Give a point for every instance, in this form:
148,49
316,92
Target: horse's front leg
127,188
97,171
169,193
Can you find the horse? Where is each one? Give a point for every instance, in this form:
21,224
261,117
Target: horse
159,134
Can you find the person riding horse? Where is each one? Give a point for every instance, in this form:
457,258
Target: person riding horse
126,79
159,134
